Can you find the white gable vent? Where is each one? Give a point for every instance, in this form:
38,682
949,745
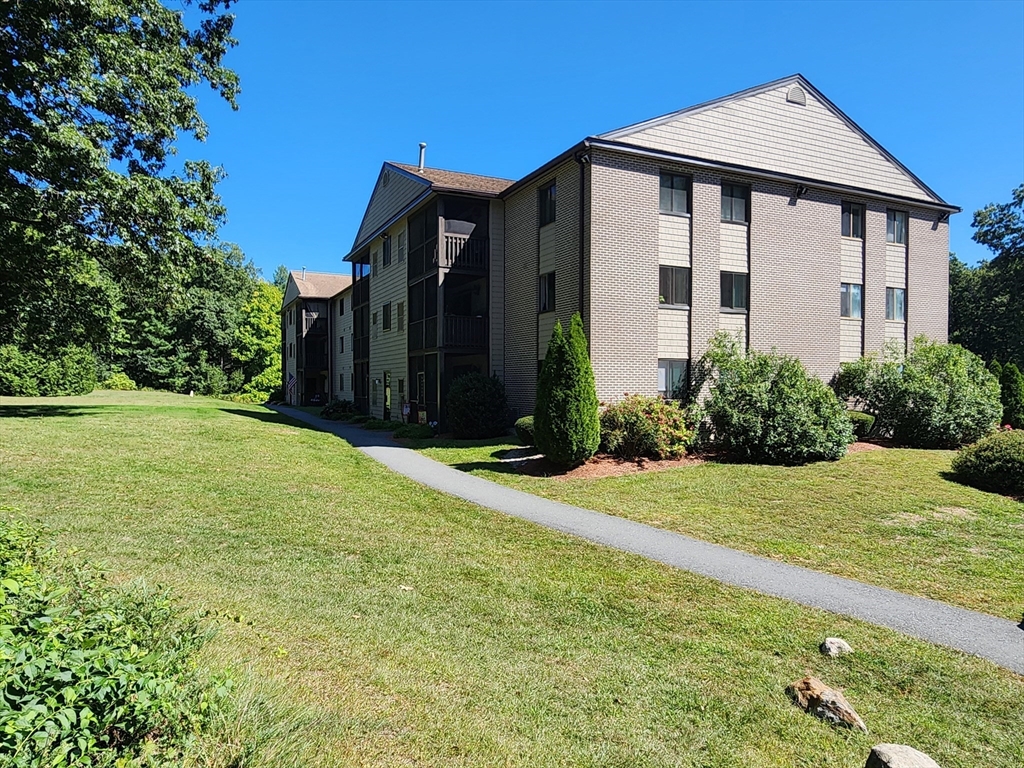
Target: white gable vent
796,95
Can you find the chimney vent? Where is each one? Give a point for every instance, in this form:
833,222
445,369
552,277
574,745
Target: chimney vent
303,273
423,154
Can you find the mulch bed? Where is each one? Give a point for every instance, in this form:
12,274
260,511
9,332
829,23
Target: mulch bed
526,461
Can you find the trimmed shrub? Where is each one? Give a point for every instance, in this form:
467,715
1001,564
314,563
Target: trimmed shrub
379,425
566,423
645,427
71,371
1012,396
335,409
862,423
118,381
93,674
994,463
764,407
477,407
524,430
414,431
995,368
937,396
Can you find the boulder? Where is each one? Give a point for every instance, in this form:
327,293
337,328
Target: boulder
812,695
898,756
835,646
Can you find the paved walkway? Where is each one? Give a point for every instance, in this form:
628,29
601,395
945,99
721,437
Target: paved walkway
998,640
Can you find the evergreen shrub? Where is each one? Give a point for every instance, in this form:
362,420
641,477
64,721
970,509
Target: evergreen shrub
524,430
1012,396
994,463
477,407
70,371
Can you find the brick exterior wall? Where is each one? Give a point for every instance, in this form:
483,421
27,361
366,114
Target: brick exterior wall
927,276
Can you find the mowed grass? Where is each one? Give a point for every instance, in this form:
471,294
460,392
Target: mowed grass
886,517
391,625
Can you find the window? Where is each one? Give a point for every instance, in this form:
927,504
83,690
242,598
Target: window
546,202
734,291
674,286
675,193
401,246
896,304
734,203
341,345
853,220
850,304
291,350
387,251
401,385
374,318
373,393
673,378
386,312
896,227
341,306
341,381
546,293
401,316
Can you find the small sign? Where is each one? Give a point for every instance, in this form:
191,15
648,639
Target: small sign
422,417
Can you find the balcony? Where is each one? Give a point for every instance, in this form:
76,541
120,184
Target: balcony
465,252
465,332
313,361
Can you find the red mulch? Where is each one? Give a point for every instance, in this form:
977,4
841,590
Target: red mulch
874,445
599,466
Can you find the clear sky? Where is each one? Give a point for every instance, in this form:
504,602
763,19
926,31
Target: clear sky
330,90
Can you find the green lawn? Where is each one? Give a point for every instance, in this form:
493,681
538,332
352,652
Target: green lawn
395,626
888,517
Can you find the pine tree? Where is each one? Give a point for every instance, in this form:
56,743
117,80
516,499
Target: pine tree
996,368
1012,383
567,428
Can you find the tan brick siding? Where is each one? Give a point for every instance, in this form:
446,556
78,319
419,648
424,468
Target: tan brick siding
851,332
735,324
851,253
733,247
673,240
673,334
927,276
895,266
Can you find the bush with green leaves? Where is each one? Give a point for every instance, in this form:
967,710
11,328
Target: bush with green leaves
936,396
566,422
71,371
994,463
524,430
645,427
862,423
477,407
764,407
414,432
1012,396
118,381
360,418
93,674
335,409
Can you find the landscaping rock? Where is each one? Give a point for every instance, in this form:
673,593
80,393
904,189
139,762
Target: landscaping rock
812,695
835,646
898,756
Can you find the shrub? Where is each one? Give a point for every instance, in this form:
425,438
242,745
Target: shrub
995,368
477,407
415,431
1012,396
380,425
361,418
118,381
862,423
93,674
70,371
937,396
335,409
648,427
764,407
524,430
566,423
994,463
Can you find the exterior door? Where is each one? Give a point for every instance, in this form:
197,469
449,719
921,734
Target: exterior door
387,395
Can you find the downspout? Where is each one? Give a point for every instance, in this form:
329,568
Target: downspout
583,159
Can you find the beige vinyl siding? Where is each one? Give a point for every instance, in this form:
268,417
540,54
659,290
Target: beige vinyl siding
733,251
388,349
895,266
389,199
342,359
673,240
765,131
851,260
291,363
548,262
496,299
736,324
896,331
673,334
851,332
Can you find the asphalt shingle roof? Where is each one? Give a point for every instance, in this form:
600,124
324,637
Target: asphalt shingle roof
460,182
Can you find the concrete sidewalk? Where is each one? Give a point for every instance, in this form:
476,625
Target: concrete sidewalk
998,640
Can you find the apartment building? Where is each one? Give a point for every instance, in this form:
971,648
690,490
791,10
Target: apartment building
313,327
768,214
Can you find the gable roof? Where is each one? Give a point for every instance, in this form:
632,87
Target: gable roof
781,126
315,285
455,181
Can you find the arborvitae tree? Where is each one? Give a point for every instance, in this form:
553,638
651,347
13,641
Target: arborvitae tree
567,427
996,369
1012,383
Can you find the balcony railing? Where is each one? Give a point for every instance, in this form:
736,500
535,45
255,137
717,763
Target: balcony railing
314,324
465,332
465,252
314,361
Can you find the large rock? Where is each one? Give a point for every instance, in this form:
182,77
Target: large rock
835,646
898,756
830,705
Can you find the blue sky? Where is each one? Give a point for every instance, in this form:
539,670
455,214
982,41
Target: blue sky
332,89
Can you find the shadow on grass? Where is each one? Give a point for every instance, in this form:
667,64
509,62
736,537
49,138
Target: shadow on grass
38,411
272,417
953,477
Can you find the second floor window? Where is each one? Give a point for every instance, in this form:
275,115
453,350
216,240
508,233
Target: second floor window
387,251
734,203
896,227
341,307
546,293
896,304
386,312
401,318
341,344
853,220
734,291
674,286
675,193
546,201
850,303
